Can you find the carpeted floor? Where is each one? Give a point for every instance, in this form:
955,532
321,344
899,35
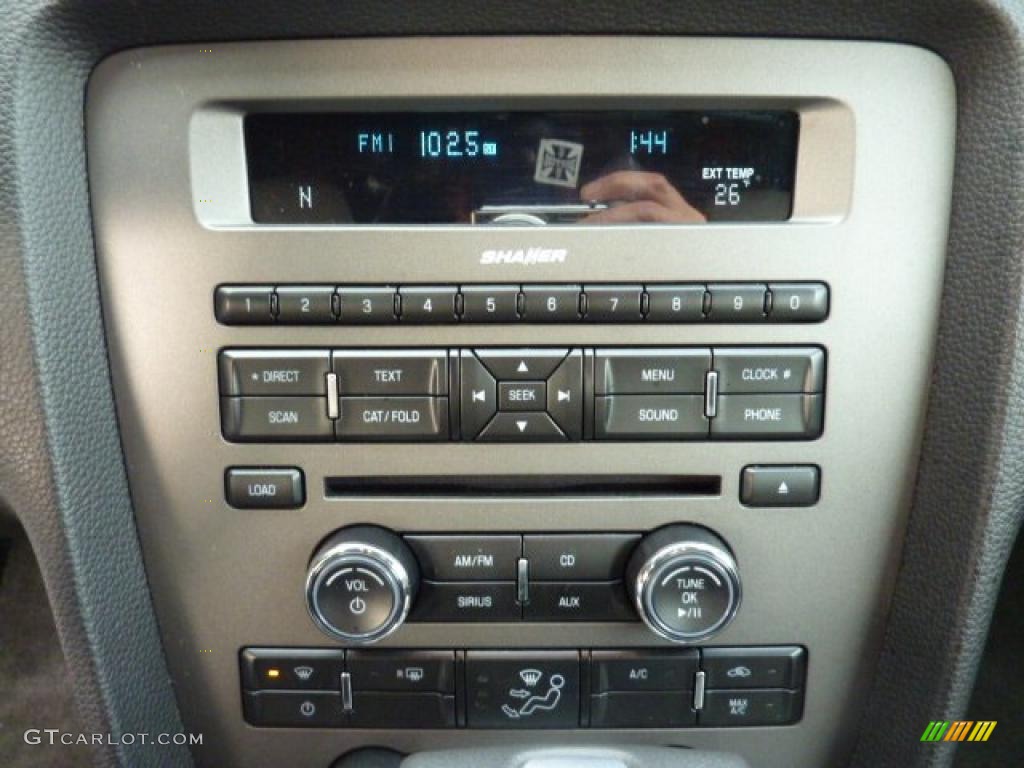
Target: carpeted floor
999,690
33,687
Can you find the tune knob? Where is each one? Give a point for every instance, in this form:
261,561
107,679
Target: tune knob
361,584
685,583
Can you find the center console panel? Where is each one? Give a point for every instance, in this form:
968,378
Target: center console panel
474,385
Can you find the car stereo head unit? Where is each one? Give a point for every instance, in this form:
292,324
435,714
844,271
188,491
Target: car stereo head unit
415,448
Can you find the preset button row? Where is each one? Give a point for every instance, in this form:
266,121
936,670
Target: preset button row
514,303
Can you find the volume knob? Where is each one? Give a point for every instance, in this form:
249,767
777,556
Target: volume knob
685,583
361,584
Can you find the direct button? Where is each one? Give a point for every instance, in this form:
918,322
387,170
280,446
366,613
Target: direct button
264,488
522,395
273,372
650,371
467,558
766,370
578,557
391,371
779,486
643,670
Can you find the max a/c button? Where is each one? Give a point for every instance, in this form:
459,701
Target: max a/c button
264,488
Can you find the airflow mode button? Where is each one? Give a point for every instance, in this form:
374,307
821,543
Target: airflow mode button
273,371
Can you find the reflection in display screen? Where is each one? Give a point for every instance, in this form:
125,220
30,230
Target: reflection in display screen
521,167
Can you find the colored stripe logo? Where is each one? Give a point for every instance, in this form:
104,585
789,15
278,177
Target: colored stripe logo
959,730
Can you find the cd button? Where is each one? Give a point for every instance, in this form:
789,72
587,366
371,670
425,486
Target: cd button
369,306
578,557
522,396
526,427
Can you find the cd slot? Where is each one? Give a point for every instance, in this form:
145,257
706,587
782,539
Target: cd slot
519,486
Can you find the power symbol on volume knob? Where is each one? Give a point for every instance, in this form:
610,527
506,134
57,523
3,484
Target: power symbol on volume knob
361,584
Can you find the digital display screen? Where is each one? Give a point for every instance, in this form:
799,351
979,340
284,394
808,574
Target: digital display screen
495,168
